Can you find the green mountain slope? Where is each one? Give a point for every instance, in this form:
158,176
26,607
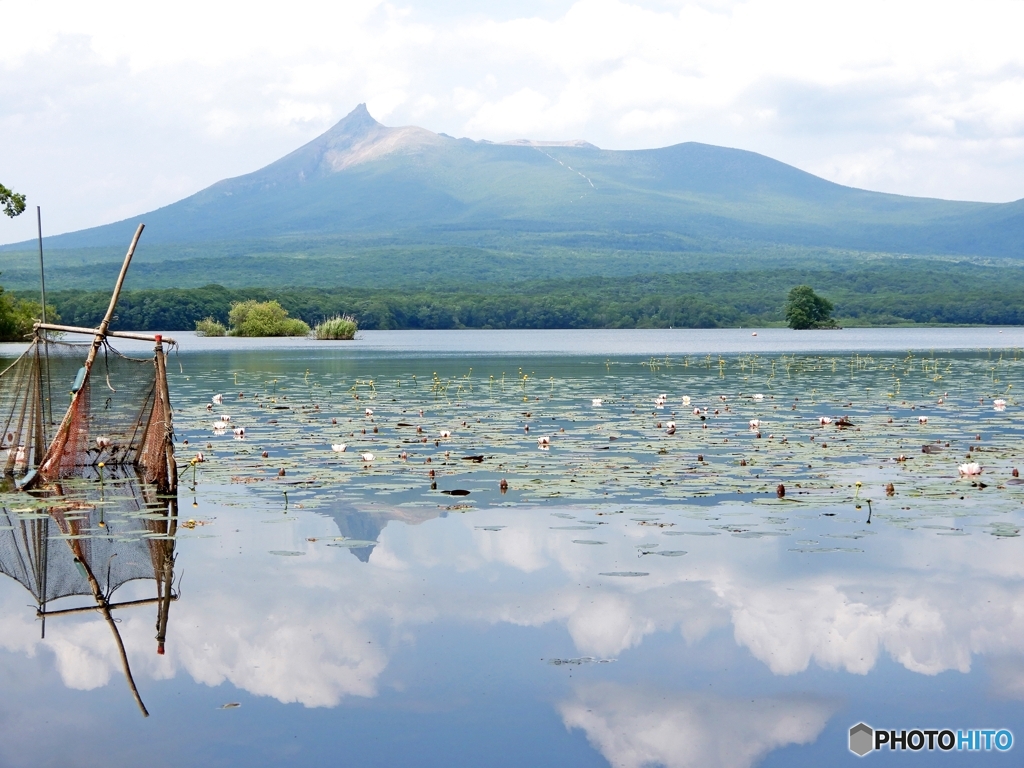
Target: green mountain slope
390,195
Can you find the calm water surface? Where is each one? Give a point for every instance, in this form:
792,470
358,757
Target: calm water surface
633,598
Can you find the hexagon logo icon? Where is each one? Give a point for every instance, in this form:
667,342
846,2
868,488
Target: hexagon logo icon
862,739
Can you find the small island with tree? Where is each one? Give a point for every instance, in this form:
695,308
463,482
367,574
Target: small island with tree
268,318
806,310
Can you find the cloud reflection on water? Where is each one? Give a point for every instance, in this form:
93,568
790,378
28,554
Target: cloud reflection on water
636,728
318,628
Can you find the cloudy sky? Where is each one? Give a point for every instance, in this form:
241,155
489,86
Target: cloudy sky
109,109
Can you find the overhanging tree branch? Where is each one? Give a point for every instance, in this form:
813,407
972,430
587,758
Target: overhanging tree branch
11,201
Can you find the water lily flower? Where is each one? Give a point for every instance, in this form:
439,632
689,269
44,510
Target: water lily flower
367,457
597,402
220,425
686,400
696,411
922,419
759,397
369,411
239,432
103,442
445,434
339,447
823,420
218,399
543,441
969,469
755,423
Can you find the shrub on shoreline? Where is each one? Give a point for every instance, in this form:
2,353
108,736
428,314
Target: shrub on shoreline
263,318
210,327
337,328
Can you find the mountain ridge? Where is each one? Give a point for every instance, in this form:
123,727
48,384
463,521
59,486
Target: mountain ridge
409,185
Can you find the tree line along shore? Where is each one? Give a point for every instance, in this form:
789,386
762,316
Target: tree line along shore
913,293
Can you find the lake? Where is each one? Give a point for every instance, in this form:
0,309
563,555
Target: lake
711,549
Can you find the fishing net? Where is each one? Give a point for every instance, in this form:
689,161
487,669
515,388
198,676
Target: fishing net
91,539
60,416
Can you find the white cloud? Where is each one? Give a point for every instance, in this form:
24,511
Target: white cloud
909,97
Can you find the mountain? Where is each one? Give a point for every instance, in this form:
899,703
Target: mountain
362,185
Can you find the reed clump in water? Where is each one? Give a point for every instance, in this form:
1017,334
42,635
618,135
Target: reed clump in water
337,328
210,327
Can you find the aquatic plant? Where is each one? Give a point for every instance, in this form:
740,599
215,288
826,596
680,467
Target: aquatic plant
210,327
337,328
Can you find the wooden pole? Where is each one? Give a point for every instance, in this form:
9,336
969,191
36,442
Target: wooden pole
111,606
164,394
101,334
42,274
104,608
102,330
94,331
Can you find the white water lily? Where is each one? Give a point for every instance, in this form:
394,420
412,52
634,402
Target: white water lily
755,423
218,399
339,447
445,434
696,411
369,411
239,432
970,469
922,419
367,457
543,441
823,420
220,425
597,402
759,397
686,400
224,418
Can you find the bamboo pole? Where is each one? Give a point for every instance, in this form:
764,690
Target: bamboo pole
94,331
111,606
42,274
101,334
165,582
104,608
161,383
102,330
42,316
